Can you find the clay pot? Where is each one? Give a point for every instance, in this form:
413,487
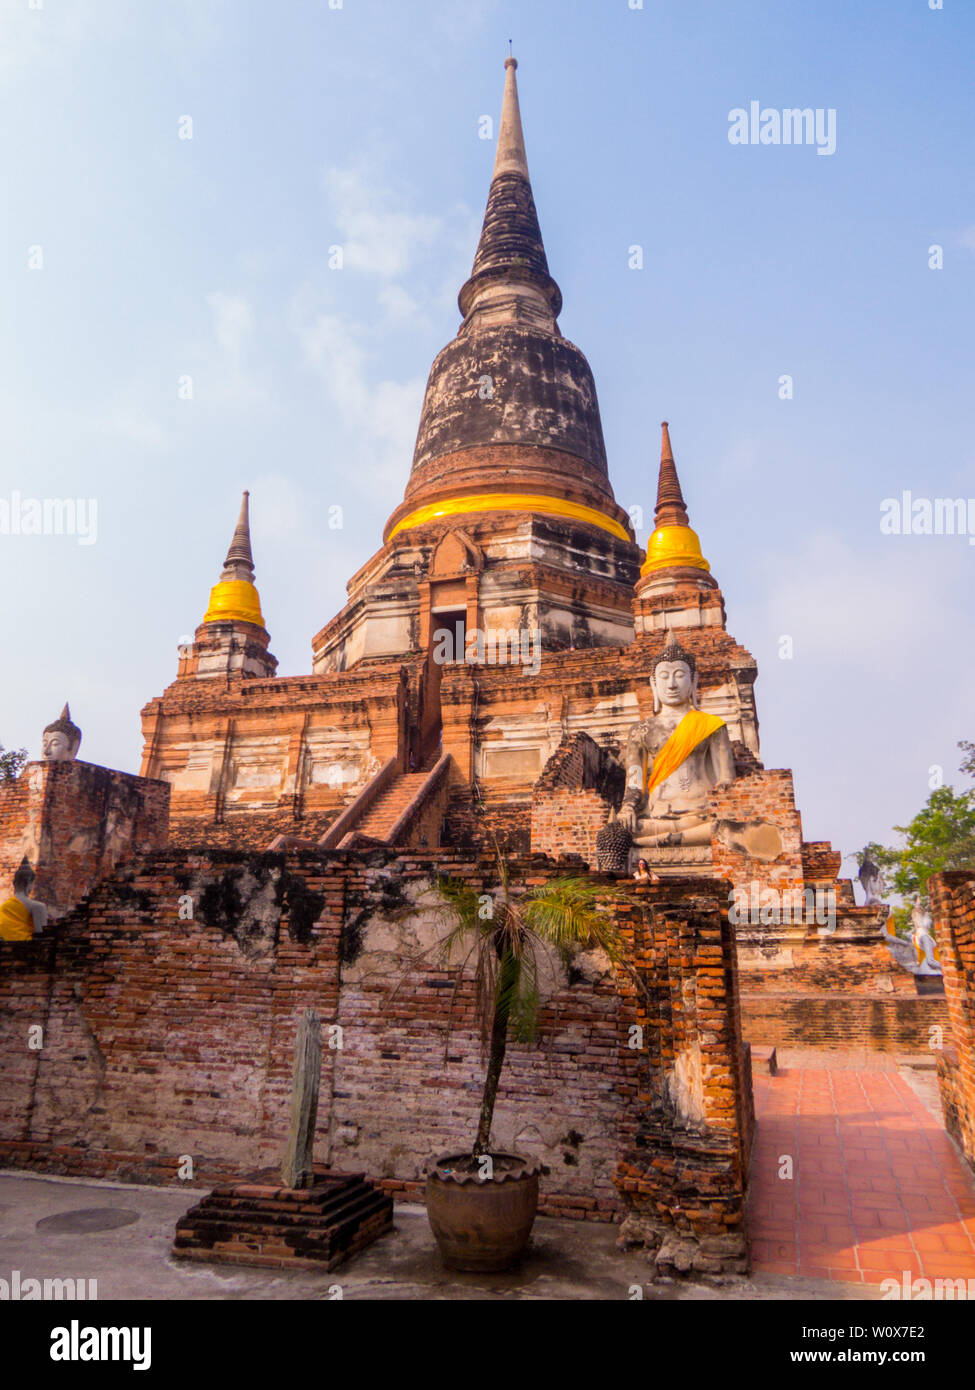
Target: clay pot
482,1223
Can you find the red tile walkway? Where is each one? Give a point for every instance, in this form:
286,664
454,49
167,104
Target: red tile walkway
878,1187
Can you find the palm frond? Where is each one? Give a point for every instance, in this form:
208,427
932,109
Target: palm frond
566,914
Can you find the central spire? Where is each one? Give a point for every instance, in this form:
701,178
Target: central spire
510,419
510,282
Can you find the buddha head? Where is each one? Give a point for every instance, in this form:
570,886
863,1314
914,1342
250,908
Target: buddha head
24,880
61,739
674,677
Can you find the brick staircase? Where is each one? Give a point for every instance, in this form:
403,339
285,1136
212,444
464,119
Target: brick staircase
386,810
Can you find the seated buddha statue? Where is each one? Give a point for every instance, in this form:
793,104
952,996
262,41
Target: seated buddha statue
674,759
21,916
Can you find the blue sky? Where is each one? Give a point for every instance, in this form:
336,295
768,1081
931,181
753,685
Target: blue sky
358,126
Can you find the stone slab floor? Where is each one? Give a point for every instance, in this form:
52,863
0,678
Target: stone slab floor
568,1259
879,1190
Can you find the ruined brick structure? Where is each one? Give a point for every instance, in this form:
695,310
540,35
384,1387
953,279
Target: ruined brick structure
477,688
168,1034
953,909
75,823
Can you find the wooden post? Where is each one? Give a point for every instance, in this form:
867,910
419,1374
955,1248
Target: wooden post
296,1170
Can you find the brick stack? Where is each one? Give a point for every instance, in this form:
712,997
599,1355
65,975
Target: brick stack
262,1223
683,1170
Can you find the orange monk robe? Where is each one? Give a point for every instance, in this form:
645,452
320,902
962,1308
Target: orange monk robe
693,729
16,923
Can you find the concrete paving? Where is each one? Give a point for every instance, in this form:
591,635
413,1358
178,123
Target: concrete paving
568,1259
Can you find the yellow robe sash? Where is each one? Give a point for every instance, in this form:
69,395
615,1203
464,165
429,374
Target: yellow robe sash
16,923
693,729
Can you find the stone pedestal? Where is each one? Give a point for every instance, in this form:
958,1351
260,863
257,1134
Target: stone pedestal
314,1227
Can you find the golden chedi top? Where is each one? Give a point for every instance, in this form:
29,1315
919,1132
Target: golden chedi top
673,544
234,597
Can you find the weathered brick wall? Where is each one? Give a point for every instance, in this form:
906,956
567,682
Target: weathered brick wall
839,1021
247,830
811,963
75,822
166,1035
469,821
953,910
25,992
689,1137
762,797
572,799
567,822
15,808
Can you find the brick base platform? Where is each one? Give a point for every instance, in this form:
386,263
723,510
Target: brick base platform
315,1227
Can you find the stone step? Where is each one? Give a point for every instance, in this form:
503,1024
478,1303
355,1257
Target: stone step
224,1211
390,804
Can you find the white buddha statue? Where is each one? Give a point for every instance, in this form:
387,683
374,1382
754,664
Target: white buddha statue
674,759
925,945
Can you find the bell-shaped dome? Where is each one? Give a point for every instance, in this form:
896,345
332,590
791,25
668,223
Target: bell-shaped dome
510,405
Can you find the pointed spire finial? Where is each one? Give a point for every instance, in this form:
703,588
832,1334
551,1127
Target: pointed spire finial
671,509
239,556
510,281
510,157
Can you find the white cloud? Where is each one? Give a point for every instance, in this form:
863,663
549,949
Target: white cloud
32,38
400,306
221,365
375,236
878,688
233,322
380,417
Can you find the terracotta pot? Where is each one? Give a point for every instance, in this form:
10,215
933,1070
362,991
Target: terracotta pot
482,1223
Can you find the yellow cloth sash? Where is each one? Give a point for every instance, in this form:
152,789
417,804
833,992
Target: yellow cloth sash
16,923
693,729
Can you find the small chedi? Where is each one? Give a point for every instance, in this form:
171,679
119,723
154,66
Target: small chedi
283,839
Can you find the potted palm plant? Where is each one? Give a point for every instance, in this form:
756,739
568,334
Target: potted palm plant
481,1203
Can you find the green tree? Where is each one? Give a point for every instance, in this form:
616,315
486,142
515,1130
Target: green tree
11,763
941,836
968,761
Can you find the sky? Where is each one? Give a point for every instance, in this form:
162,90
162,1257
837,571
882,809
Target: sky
174,328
